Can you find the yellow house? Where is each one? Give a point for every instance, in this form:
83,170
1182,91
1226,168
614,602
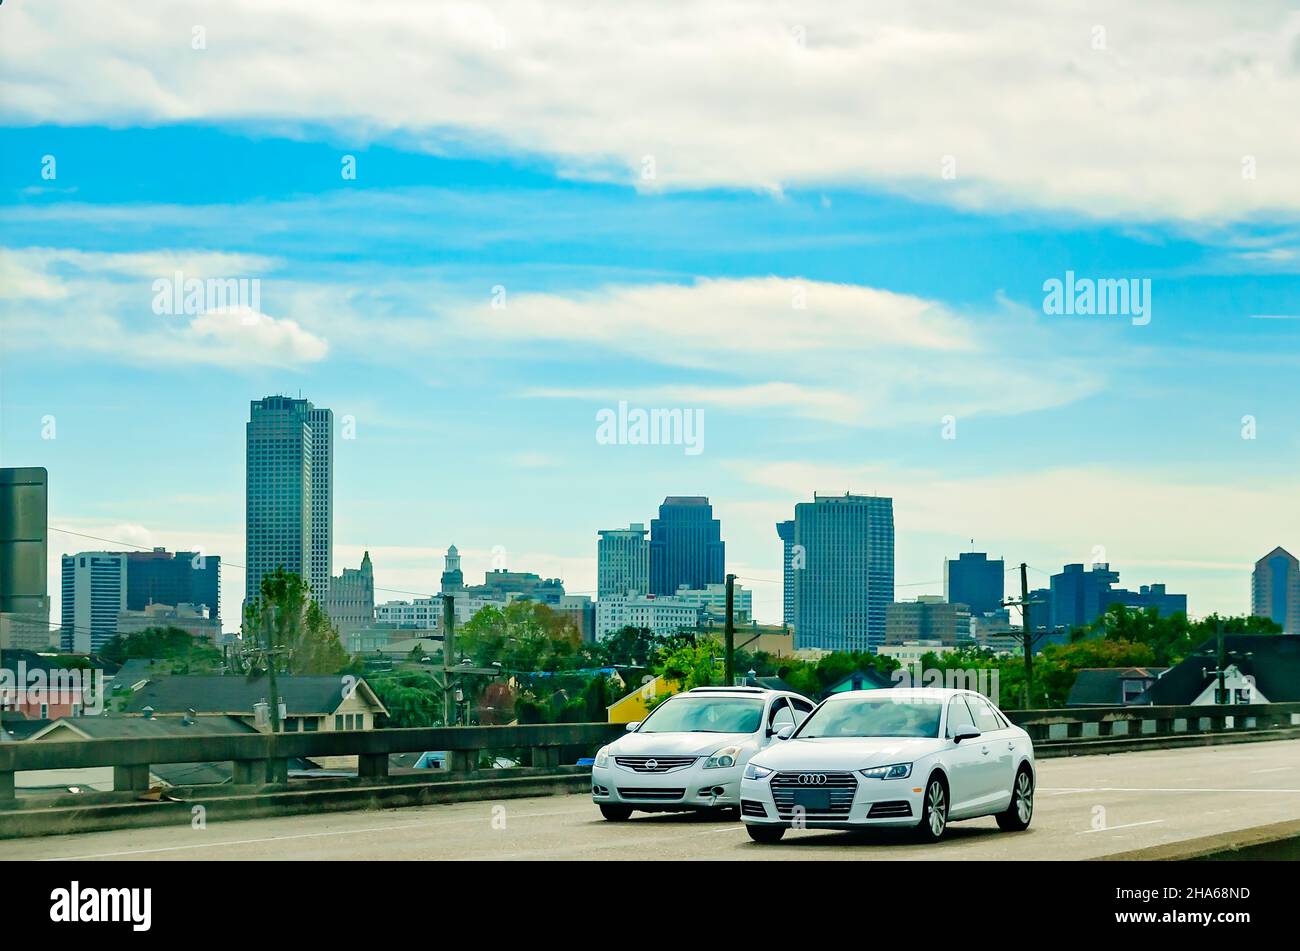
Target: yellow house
636,705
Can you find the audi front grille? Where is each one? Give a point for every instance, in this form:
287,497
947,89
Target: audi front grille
840,786
654,764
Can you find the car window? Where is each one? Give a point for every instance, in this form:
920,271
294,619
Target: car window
986,720
958,715
699,714
781,715
801,708
873,716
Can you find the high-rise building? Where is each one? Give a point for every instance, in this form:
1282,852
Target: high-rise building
581,610
712,600
928,618
622,560
350,601
24,546
785,531
1151,596
975,580
289,483
846,581
664,615
1079,597
1275,589
94,595
183,577
686,546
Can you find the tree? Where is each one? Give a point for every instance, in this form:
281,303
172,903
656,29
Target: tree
697,664
179,651
631,647
297,624
413,698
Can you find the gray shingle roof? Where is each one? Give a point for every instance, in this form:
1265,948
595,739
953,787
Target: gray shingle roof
317,696
1274,662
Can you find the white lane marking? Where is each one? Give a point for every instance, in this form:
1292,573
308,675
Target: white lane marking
1274,769
1127,825
1169,789
300,835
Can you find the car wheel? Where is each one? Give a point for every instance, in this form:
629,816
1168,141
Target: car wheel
616,813
765,835
1021,810
934,811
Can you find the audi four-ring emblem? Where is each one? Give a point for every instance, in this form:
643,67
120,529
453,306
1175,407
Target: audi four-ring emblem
812,779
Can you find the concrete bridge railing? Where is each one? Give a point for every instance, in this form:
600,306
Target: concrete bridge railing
263,758
1084,723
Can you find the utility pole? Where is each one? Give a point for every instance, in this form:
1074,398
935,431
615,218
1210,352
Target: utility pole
730,632
1027,636
270,615
448,652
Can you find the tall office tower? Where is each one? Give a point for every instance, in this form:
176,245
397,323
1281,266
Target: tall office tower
846,583
94,594
1275,589
785,531
622,561
686,546
976,581
1080,597
928,618
289,505
161,577
350,601
453,579
321,561
24,543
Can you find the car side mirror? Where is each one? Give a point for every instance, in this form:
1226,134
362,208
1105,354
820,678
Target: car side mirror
631,727
785,732
965,733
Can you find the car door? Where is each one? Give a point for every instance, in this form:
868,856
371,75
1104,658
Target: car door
999,761
778,715
964,762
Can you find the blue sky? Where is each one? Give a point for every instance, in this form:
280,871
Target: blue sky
920,296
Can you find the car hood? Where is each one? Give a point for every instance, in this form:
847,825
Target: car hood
846,753
679,744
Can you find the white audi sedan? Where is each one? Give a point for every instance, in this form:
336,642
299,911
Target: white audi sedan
689,753
918,758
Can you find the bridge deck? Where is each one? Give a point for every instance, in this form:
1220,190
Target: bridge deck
1148,799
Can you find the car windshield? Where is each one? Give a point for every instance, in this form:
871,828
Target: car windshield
705,715
873,716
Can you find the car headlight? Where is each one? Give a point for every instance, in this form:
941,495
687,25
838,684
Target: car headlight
897,771
723,758
754,771
602,757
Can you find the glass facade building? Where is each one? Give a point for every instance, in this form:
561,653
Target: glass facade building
686,546
846,582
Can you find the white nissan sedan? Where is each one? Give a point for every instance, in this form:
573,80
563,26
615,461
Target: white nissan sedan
919,758
688,754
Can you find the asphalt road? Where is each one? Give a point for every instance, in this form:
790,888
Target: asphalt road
1086,807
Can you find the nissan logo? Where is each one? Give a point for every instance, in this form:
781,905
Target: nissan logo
812,779
652,764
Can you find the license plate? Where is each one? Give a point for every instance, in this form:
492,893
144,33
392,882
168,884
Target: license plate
818,800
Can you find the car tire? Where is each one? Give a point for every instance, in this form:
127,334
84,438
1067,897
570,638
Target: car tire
1020,812
616,813
934,810
765,835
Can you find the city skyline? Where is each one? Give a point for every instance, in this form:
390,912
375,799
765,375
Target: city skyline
864,306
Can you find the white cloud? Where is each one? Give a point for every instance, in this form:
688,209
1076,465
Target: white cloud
1155,123
102,304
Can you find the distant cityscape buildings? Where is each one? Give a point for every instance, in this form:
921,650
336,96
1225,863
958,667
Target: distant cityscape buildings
975,580
93,595
350,600
183,577
622,560
289,485
1079,597
785,531
928,618
686,547
1275,589
24,552
846,582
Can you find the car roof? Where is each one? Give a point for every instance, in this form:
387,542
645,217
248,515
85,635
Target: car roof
733,691
901,693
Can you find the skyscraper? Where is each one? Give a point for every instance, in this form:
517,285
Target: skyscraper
24,543
686,546
289,482
1080,597
163,577
93,595
975,580
1275,589
350,601
785,531
847,580
622,561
